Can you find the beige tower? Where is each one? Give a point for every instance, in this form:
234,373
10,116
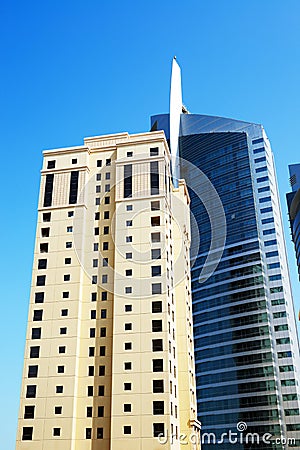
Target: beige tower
109,350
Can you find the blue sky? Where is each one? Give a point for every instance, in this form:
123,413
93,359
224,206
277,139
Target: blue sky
71,69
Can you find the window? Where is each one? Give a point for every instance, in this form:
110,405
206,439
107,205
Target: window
156,325
32,371
61,349
156,271
51,164
270,242
128,308
48,190
60,369
36,333
29,412
106,200
91,351
46,217
261,169
99,433
44,248
106,230
101,371
268,220
105,262
274,265
73,187
45,232
261,159
39,297
128,255
102,350
91,371
155,237
158,429
92,332
156,288
108,162
99,163
266,210
59,389
128,223
68,260
70,213
106,215
98,190
107,176
158,408
69,229
257,141
264,189
128,238
156,253
158,366
89,411
66,294
58,410
269,231
42,264
128,181
96,231
90,391
98,177
34,352
265,199
31,391
105,245
88,433
94,279
103,313
41,280
64,312
128,346
155,221
128,326
155,206
129,207
68,244
97,215
27,433
127,407
128,272
157,307
107,187
154,178
127,429
100,391
127,386
157,345
271,254
37,314
95,262
104,296
128,290
127,366
93,314
63,330
97,201
154,151
129,154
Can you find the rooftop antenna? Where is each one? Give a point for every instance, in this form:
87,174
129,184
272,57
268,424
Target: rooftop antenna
175,112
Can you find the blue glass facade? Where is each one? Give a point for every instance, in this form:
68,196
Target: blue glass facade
293,201
236,344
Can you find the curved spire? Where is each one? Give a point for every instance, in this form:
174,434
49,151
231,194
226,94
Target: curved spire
175,112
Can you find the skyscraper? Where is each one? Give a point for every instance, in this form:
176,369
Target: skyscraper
293,201
109,349
246,344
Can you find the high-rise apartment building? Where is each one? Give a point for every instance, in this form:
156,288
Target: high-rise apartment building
109,357
293,201
245,338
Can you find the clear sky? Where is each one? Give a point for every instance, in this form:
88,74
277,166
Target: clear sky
71,69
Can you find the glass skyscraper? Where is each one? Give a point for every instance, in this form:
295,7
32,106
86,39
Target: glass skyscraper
293,201
246,344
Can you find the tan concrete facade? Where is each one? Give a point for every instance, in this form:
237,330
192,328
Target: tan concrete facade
109,348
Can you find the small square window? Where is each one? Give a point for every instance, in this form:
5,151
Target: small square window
97,201
158,429
68,260
41,280
36,333
128,308
67,277
156,325
60,369
155,271
27,433
127,386
155,237
63,330
108,162
128,272
107,176
69,229
42,264
39,297
127,366
157,307
128,290
33,371
51,164
156,288
59,389
103,313
104,296
155,221
29,412
106,200
157,345
154,151
58,410
106,215
99,162
157,366
128,345
129,207
61,349
128,326
106,230
35,352
127,429
46,217
66,294
68,244
64,312
105,246
98,189
70,213
101,371
97,215
94,279
74,161
129,154
156,253
155,206
102,332
37,315
31,391
128,223
158,408
107,187
129,255
98,177
44,248
128,239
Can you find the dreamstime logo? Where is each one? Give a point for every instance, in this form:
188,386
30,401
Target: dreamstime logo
86,242
241,436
